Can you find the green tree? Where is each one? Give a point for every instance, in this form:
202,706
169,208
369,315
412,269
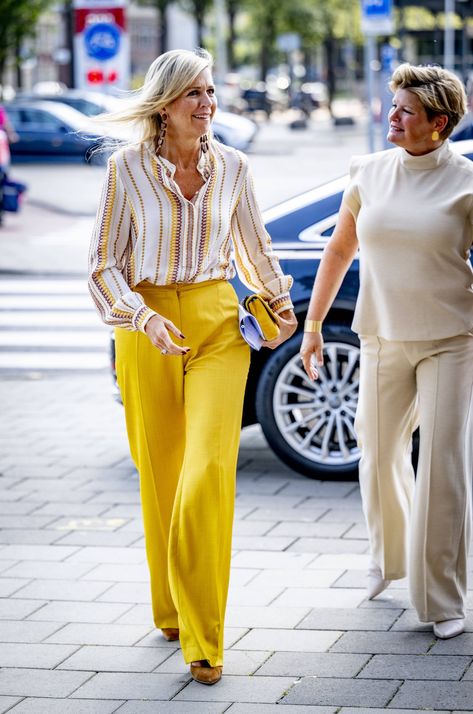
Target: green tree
19,19
198,9
163,28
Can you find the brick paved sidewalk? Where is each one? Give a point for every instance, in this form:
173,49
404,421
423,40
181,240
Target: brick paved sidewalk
76,628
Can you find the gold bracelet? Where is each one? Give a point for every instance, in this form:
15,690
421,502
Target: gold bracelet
313,326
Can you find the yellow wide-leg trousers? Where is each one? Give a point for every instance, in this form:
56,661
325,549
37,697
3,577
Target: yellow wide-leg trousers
419,526
183,417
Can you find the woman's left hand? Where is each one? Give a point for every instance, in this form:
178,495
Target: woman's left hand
287,327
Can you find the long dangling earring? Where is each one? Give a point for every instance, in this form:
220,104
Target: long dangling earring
162,131
435,135
204,143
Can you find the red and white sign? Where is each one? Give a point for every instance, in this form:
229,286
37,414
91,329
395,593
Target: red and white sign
101,45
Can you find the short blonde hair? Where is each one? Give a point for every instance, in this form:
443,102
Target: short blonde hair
167,78
440,91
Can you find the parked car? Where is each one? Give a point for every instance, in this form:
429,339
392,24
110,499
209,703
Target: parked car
229,128
53,130
310,426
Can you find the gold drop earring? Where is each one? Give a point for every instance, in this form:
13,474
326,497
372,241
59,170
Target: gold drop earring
435,135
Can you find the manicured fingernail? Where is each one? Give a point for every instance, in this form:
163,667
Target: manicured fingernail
183,337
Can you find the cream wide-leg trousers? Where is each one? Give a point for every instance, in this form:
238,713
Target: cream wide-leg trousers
183,418
421,526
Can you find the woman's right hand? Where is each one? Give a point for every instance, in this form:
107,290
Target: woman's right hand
158,328
312,353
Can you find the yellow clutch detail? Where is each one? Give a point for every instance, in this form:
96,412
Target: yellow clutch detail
267,318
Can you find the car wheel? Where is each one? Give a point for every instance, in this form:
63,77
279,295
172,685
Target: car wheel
311,425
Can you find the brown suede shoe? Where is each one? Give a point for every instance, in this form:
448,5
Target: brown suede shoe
171,634
202,672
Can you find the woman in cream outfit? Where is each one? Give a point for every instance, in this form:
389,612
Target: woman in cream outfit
174,207
409,212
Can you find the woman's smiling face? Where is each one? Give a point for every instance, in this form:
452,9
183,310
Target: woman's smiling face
409,126
191,114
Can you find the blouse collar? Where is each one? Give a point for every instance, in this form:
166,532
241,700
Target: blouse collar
427,161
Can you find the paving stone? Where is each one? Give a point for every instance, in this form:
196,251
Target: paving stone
80,612
313,664
250,596
389,599
133,573
287,640
369,710
295,578
268,560
61,508
37,552
77,590
84,634
64,706
462,645
328,545
27,631
341,561
20,522
276,709
12,536
126,592
34,655
342,692
276,514
87,524
438,695
349,619
342,515
308,529
96,538
116,659
243,689
384,642
358,530
409,622
18,609
270,616
319,489
49,570
262,543
40,682
131,686
7,702
320,597
8,586
124,556
415,667
137,707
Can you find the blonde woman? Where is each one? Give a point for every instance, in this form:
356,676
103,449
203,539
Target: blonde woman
174,207
409,212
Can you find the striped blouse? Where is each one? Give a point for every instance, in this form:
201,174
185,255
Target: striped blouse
146,230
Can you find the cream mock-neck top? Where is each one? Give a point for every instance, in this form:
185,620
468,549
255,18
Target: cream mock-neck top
414,222
147,230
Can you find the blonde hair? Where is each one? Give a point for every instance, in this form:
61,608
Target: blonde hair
440,91
167,78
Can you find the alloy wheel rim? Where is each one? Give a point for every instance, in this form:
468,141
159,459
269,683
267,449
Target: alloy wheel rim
317,419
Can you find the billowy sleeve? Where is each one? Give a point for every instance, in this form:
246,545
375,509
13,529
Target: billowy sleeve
110,247
258,266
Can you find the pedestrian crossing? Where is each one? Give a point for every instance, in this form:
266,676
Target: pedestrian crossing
49,324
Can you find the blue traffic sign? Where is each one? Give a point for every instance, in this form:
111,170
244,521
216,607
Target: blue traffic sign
377,17
102,40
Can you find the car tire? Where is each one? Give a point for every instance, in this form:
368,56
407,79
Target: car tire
310,426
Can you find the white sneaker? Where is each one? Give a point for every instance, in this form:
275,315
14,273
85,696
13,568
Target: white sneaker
449,628
376,582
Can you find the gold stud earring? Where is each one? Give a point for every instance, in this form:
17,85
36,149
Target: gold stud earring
435,135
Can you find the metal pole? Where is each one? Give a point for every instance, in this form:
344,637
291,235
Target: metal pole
370,52
449,36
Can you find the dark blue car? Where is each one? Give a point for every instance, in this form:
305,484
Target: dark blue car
311,426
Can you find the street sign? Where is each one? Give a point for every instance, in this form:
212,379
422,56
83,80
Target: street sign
102,40
377,17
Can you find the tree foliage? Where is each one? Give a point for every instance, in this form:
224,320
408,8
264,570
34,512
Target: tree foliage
198,9
18,22
163,30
